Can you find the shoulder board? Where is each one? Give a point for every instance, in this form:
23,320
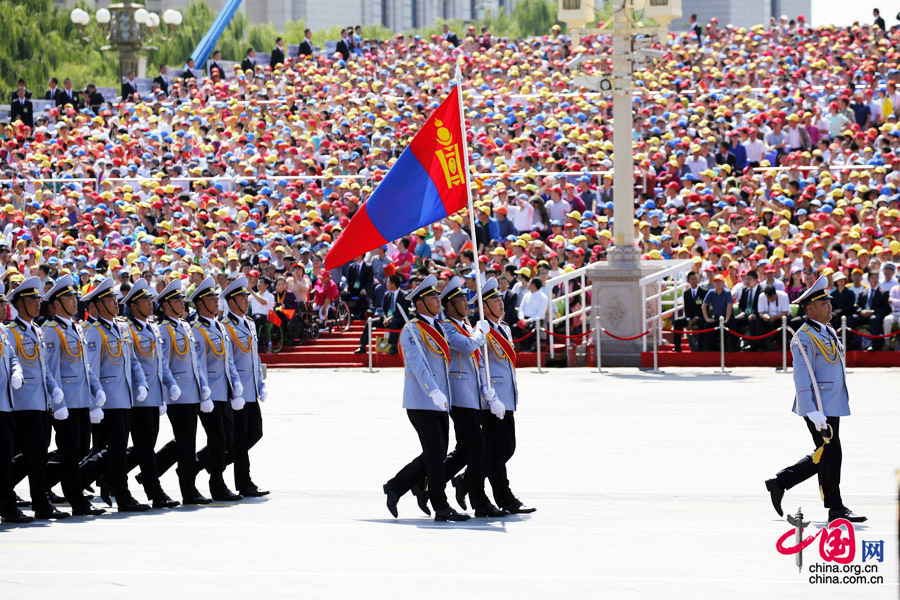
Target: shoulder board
51,323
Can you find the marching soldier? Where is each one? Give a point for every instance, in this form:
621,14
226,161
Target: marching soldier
84,397
180,348
248,420
10,379
161,388
38,395
425,398
214,352
500,434
821,399
465,401
111,352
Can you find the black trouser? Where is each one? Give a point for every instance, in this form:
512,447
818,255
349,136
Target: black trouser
73,441
711,341
247,431
219,437
33,431
144,433
7,485
184,425
394,323
500,445
113,459
876,325
680,325
828,469
469,452
433,429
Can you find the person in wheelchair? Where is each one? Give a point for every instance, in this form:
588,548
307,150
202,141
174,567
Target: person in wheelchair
325,295
261,302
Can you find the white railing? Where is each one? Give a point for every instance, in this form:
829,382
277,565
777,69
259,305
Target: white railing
662,295
567,316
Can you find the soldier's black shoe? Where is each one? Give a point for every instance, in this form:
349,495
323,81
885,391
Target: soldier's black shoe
459,483
50,513
421,499
226,495
777,493
88,511
104,490
195,499
53,498
17,517
22,503
516,507
448,514
253,492
490,511
165,502
359,351
131,505
392,499
845,513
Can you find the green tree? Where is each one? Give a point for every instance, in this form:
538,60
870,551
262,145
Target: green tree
535,17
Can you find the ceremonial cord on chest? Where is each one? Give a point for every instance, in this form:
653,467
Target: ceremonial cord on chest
235,338
20,350
64,346
175,349
137,344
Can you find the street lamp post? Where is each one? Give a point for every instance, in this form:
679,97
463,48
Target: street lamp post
127,26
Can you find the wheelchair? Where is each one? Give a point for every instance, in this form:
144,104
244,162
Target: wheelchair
339,317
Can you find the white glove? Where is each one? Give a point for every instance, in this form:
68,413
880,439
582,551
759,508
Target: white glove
100,399
477,337
490,394
96,415
57,396
497,409
238,389
818,419
174,392
237,403
263,393
162,409
483,326
16,380
439,399
205,393
141,393
206,406
61,414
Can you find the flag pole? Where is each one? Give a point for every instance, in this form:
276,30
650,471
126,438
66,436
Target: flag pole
465,143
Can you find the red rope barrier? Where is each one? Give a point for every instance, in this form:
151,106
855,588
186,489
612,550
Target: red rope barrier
690,331
379,330
524,337
874,337
752,337
624,339
569,337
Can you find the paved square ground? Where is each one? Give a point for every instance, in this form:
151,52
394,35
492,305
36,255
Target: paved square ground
647,486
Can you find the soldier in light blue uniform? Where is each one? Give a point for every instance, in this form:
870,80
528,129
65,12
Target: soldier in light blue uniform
180,347
817,342
110,351
10,379
84,397
247,421
214,351
500,434
426,398
38,395
161,388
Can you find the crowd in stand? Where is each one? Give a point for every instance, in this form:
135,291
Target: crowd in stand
767,156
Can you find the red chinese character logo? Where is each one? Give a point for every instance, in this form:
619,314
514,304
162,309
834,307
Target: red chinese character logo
836,544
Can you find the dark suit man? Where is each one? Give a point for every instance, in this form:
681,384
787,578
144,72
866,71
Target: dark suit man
21,109
306,47
215,66
129,88
20,85
872,308
451,36
693,315
748,308
92,97
277,56
69,96
54,93
163,79
389,317
249,62
360,284
188,72
343,45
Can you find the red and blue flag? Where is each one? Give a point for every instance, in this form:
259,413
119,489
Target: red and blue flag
426,184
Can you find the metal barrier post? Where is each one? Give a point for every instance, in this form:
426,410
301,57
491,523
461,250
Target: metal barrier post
784,345
599,333
722,344
654,331
844,332
537,332
369,345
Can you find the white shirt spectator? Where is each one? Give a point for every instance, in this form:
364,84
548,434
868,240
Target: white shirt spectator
534,306
521,215
894,299
781,304
257,308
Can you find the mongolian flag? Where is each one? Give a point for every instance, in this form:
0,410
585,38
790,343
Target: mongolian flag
426,184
